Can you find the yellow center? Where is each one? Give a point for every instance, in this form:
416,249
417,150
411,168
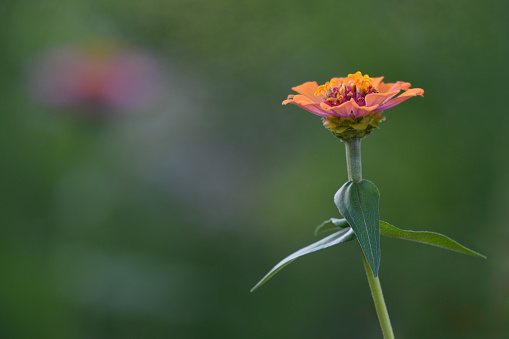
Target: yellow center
356,86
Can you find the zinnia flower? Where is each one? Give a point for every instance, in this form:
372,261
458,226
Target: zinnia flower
351,107
101,78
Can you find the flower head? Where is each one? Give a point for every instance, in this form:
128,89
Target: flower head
351,107
102,78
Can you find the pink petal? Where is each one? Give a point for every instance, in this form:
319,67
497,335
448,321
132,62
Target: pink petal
342,110
399,85
347,108
305,103
379,98
398,100
361,111
314,108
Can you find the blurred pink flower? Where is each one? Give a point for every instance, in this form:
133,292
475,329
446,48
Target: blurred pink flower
102,77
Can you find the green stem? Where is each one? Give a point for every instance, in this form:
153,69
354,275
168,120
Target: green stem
378,298
354,166
353,159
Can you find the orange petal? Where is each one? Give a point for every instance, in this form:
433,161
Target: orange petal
304,102
339,80
342,110
304,99
399,85
360,111
376,81
347,108
308,89
379,98
391,87
405,96
300,100
384,88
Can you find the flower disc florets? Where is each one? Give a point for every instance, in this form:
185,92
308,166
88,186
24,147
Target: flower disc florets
351,107
337,92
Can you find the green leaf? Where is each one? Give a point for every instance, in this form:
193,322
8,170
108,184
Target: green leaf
339,237
331,225
358,203
430,238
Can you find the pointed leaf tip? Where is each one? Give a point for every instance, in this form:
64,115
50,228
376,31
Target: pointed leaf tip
358,203
429,238
341,236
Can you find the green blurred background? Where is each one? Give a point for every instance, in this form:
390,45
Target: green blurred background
154,221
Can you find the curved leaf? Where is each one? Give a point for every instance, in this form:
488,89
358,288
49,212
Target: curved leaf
358,203
339,237
388,230
331,225
430,238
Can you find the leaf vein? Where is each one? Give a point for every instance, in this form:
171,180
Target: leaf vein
364,219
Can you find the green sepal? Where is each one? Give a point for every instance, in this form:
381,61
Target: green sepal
341,236
353,127
358,203
430,238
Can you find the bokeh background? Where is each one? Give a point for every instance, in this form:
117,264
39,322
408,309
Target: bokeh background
150,176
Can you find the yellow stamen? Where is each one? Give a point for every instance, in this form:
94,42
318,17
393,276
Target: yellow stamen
337,91
342,89
325,90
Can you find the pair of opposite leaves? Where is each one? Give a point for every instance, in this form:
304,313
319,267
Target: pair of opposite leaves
358,203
